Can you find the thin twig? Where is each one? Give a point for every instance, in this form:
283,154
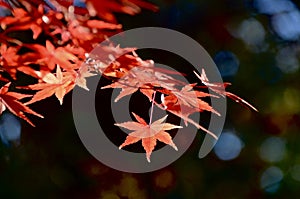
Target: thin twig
152,106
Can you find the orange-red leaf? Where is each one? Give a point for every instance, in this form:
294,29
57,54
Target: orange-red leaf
58,85
220,89
148,133
10,100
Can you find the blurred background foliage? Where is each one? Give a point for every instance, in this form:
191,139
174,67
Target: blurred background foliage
255,44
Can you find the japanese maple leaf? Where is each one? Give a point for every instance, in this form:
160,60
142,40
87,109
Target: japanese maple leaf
142,78
51,56
148,133
58,85
11,61
191,98
113,61
182,103
83,72
10,101
220,89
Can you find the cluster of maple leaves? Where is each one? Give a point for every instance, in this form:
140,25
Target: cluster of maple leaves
51,40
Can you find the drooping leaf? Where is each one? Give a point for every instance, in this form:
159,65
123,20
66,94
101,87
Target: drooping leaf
190,98
10,101
148,133
220,89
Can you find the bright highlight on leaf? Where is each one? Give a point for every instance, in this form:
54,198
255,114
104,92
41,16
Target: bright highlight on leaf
58,85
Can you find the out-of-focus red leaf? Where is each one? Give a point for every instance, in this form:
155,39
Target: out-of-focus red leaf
4,4
9,59
102,25
145,4
105,8
22,21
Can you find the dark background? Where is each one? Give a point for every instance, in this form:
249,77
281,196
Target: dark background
256,47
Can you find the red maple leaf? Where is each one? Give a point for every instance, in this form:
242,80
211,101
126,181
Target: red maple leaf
50,56
148,133
190,98
10,101
220,89
144,77
113,61
12,62
182,103
25,20
58,85
9,59
83,72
